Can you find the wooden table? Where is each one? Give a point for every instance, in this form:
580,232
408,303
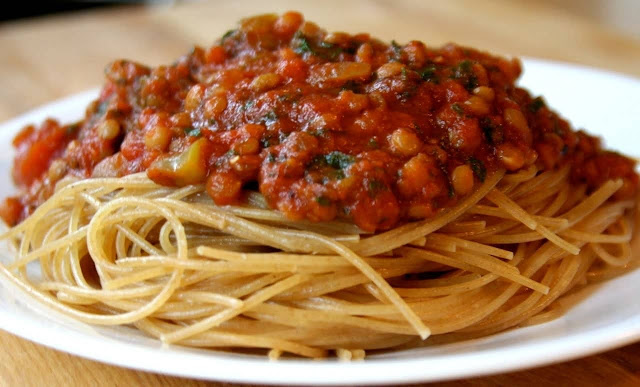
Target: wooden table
48,58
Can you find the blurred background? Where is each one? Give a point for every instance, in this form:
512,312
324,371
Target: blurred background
620,14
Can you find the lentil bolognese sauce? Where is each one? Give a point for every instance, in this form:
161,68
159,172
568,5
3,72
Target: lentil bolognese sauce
303,191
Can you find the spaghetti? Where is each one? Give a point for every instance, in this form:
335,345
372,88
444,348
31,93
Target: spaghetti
308,193
178,267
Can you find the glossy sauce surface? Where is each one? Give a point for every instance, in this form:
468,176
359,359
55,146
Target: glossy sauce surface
324,124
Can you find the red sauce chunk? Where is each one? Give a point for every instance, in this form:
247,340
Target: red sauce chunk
324,125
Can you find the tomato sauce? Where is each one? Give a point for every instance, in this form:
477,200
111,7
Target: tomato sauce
324,125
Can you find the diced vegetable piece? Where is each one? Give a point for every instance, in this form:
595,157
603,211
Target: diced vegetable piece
336,74
188,167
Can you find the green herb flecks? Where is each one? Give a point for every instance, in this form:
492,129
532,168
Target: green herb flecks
338,174
270,117
478,168
428,73
375,186
332,165
320,132
71,129
351,85
339,160
457,108
268,141
491,133
323,201
193,132
228,34
290,97
464,73
102,107
248,104
283,136
302,45
536,104
451,192
557,129
397,51
328,50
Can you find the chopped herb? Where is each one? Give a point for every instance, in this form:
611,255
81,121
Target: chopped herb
404,73
270,117
102,107
352,47
329,50
407,94
556,128
289,97
489,129
464,66
248,104
271,158
350,85
228,34
191,132
283,136
376,186
320,132
478,168
457,108
397,50
323,201
325,50
464,72
71,129
317,161
428,73
301,43
268,141
373,143
339,160
231,153
472,83
338,174
336,161
536,104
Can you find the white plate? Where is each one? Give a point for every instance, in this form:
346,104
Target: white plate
604,102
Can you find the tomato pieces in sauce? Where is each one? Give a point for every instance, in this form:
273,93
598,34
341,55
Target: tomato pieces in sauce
324,125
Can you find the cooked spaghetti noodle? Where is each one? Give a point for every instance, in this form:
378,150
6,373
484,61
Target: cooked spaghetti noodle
178,267
308,193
